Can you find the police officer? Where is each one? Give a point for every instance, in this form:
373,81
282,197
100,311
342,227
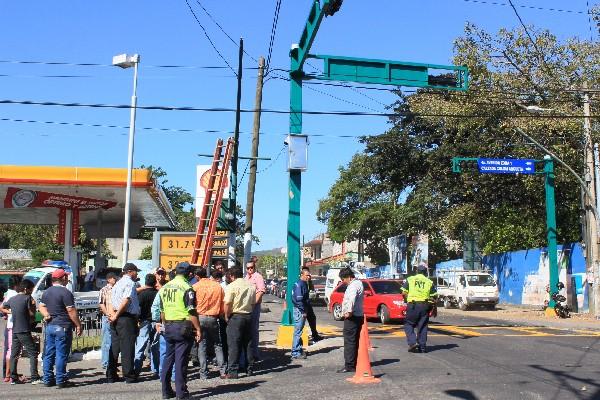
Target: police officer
178,314
420,296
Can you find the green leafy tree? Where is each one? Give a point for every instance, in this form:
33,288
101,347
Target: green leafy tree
275,262
146,253
180,199
402,181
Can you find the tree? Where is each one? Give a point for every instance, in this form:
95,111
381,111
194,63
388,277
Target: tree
402,181
181,202
275,262
146,253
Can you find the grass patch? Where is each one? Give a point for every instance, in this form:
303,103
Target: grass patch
84,343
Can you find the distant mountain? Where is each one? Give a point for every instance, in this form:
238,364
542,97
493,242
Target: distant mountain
278,251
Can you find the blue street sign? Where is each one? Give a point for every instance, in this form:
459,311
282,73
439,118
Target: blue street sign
505,166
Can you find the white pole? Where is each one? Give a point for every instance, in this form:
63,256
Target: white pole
130,165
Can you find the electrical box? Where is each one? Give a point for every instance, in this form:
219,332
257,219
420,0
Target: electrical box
297,152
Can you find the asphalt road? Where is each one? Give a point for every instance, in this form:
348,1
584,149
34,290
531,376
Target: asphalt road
469,358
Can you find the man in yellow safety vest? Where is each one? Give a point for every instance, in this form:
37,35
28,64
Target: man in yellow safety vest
178,314
419,294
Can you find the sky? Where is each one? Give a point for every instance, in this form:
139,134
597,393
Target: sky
166,33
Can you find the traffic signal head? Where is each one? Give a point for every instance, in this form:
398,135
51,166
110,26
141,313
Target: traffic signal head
332,6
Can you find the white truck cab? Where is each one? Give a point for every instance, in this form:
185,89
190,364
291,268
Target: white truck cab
85,302
333,280
467,288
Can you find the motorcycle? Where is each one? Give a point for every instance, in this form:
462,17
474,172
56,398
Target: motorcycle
560,302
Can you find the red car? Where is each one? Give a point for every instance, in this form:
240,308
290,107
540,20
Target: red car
383,299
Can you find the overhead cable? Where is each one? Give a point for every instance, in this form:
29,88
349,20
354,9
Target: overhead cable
273,111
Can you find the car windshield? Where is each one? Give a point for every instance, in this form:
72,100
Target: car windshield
34,276
480,280
386,287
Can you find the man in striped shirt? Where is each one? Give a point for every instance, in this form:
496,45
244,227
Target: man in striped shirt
105,301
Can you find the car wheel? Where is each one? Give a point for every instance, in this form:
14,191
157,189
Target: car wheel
384,314
462,305
337,312
491,307
447,302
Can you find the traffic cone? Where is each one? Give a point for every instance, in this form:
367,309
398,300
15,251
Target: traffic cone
371,348
363,373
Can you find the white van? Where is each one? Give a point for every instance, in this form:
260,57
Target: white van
333,280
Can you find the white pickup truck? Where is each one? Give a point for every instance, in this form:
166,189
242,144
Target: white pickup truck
85,302
466,288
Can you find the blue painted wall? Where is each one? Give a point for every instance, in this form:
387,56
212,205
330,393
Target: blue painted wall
523,275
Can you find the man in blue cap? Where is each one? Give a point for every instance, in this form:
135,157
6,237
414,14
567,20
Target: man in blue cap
178,314
420,295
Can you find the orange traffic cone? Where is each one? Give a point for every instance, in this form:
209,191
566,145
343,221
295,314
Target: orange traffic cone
371,348
363,373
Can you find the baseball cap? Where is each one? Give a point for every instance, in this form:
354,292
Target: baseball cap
130,267
422,267
183,268
59,273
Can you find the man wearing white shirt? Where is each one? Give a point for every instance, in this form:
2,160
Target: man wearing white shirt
89,280
7,346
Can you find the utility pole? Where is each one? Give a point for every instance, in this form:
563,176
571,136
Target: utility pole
234,161
253,162
593,252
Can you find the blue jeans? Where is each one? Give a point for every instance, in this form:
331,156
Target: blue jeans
145,338
162,346
56,351
299,321
211,337
157,350
105,346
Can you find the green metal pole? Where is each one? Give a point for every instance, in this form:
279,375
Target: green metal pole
551,224
294,191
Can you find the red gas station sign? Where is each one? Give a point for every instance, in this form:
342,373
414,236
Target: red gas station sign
24,198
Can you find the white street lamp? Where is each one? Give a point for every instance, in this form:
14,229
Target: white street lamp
127,61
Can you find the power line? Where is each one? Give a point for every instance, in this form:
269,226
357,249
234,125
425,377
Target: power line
349,87
244,174
45,76
73,64
223,30
308,112
208,37
493,94
342,100
272,162
172,130
273,33
589,12
270,46
497,3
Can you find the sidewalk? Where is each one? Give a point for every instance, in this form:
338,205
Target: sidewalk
276,373
527,315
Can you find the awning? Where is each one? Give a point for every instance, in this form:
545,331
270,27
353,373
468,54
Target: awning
35,195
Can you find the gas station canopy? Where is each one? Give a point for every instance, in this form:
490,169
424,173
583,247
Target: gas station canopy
36,195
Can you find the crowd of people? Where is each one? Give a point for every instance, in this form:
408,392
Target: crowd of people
192,314
206,316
